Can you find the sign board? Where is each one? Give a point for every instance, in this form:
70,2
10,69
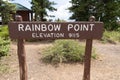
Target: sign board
56,30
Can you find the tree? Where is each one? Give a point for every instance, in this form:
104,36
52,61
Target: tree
104,10
111,13
40,8
6,11
60,20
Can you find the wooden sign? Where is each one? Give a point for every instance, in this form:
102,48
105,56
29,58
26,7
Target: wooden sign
56,30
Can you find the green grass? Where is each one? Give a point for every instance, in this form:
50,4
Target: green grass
4,32
4,68
111,36
4,40
65,51
4,47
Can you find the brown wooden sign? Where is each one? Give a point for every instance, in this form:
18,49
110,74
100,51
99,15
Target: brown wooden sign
56,30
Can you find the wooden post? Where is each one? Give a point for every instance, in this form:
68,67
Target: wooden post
88,51
21,55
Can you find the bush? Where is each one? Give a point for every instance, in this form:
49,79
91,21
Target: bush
111,36
4,68
4,47
65,51
4,32
112,25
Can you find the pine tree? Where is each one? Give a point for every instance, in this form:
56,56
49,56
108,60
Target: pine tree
104,10
40,8
6,11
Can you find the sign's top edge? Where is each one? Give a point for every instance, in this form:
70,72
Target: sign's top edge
54,22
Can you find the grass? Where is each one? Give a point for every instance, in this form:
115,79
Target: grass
4,68
65,51
4,47
4,32
4,40
111,37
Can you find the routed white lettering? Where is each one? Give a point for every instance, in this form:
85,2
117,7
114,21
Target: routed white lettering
70,26
27,28
33,35
57,27
85,27
76,27
43,27
50,27
37,27
91,28
48,35
20,27
54,27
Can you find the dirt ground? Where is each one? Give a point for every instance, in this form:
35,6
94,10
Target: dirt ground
106,67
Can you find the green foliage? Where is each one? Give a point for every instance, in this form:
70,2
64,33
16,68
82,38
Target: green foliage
111,36
4,68
6,9
106,11
4,32
4,47
65,51
59,20
80,10
4,41
40,8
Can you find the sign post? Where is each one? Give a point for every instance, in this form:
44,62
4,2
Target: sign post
88,51
88,30
21,55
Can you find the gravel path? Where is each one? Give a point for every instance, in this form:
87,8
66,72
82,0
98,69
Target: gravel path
107,67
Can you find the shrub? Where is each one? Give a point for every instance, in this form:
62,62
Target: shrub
65,51
4,68
4,47
111,36
4,32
